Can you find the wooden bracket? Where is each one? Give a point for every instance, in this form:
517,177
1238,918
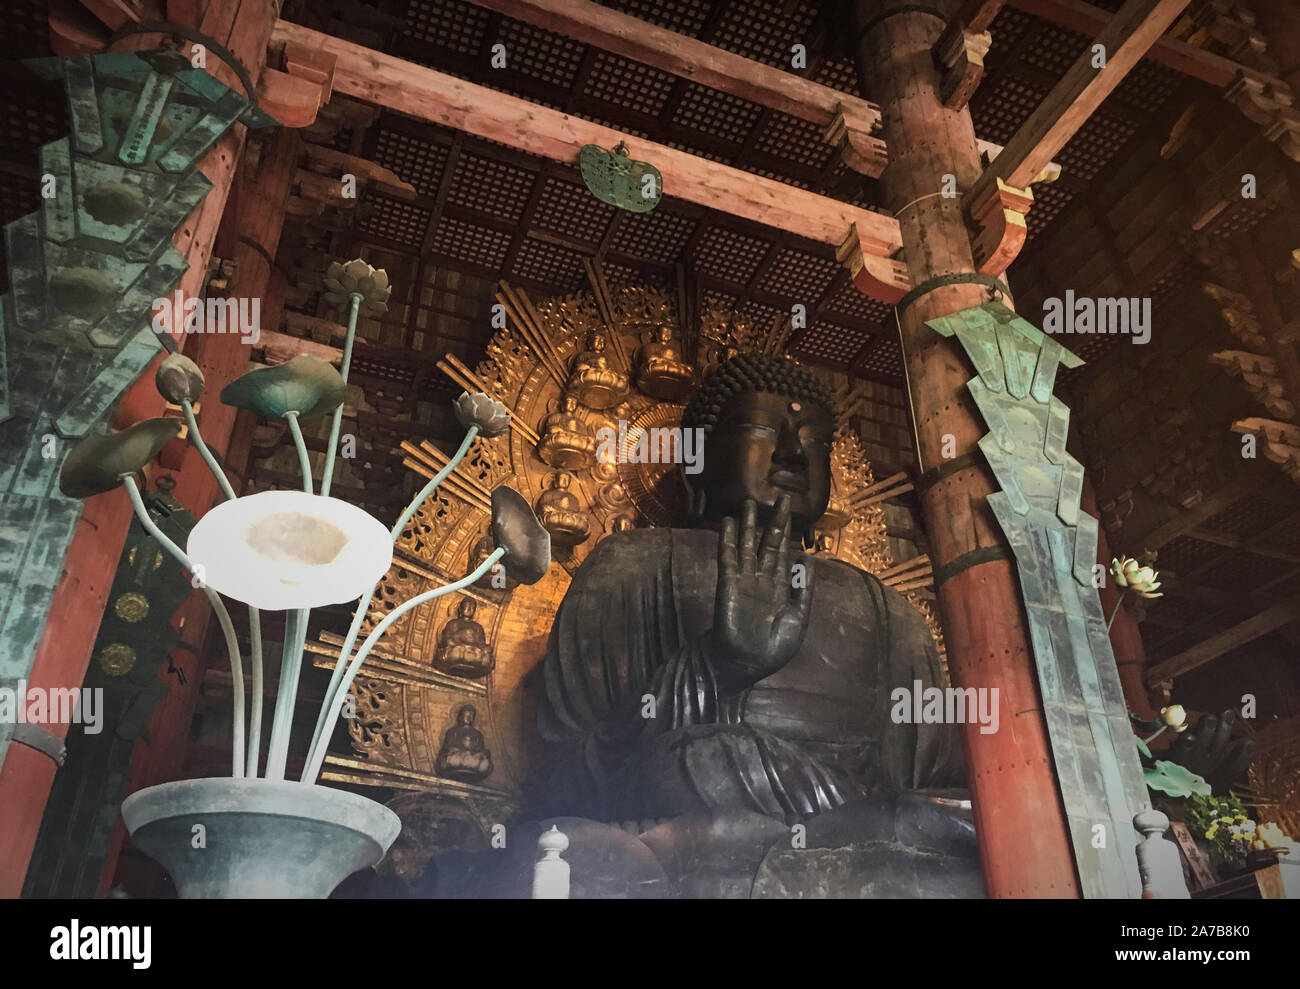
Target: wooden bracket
961,52
883,279
1000,217
295,95
858,149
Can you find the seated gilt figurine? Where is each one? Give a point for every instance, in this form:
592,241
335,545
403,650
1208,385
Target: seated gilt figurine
561,514
463,648
566,440
719,686
464,754
661,372
592,381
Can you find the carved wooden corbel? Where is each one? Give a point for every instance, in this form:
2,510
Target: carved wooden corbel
295,95
961,52
882,279
858,149
1000,219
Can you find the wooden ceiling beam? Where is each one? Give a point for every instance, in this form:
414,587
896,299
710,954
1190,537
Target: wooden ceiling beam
427,94
1268,620
1125,39
688,58
1177,55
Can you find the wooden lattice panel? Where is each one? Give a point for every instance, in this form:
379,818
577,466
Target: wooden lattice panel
683,16
1250,516
764,32
395,221
540,54
885,358
549,264
623,82
849,301
1049,201
1007,29
839,73
660,235
571,209
463,241
1055,49
729,255
794,140
415,161
799,276
831,342
1090,150
448,24
998,110
719,115
487,185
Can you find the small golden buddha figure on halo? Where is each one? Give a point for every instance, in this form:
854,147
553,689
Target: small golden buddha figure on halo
464,754
561,514
463,648
592,381
661,372
567,441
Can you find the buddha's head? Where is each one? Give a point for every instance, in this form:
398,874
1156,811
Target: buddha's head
466,715
570,404
768,425
466,608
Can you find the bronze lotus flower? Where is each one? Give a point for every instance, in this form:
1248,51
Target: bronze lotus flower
342,280
483,411
305,385
516,530
178,379
98,463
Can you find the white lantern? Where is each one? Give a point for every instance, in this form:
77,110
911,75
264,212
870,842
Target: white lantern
284,550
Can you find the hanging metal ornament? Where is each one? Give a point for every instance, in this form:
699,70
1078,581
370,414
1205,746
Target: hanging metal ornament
615,178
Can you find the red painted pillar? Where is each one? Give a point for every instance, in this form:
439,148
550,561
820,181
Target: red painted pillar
1019,818
79,600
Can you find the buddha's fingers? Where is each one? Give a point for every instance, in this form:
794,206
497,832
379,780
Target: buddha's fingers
775,539
748,558
727,564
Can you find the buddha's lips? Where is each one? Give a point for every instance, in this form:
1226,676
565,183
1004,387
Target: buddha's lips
789,480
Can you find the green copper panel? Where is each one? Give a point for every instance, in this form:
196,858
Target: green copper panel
1055,543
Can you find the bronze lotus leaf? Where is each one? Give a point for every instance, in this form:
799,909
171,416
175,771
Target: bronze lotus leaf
342,280
305,385
178,379
98,463
515,529
483,411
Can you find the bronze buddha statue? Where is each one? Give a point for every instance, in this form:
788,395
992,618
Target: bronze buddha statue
567,441
561,514
661,372
720,686
463,648
592,381
464,754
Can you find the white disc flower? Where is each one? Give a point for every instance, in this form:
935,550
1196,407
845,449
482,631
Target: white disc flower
283,550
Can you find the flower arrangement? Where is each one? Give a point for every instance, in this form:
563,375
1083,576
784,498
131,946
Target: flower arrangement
1223,823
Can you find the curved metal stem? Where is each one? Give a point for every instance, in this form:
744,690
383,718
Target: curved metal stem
286,697
1119,603
304,461
254,615
314,764
223,617
364,604
327,476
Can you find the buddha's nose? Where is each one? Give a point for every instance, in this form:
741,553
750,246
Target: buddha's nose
789,451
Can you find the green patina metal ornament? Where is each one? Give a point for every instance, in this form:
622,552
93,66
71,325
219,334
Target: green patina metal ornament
307,386
98,463
178,379
615,178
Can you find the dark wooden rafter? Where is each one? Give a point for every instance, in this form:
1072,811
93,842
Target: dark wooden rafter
999,198
1170,52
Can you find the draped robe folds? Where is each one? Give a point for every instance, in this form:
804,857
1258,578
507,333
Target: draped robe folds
637,726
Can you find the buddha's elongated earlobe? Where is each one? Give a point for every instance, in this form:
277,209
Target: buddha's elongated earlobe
809,538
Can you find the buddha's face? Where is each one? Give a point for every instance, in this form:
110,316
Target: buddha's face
764,446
